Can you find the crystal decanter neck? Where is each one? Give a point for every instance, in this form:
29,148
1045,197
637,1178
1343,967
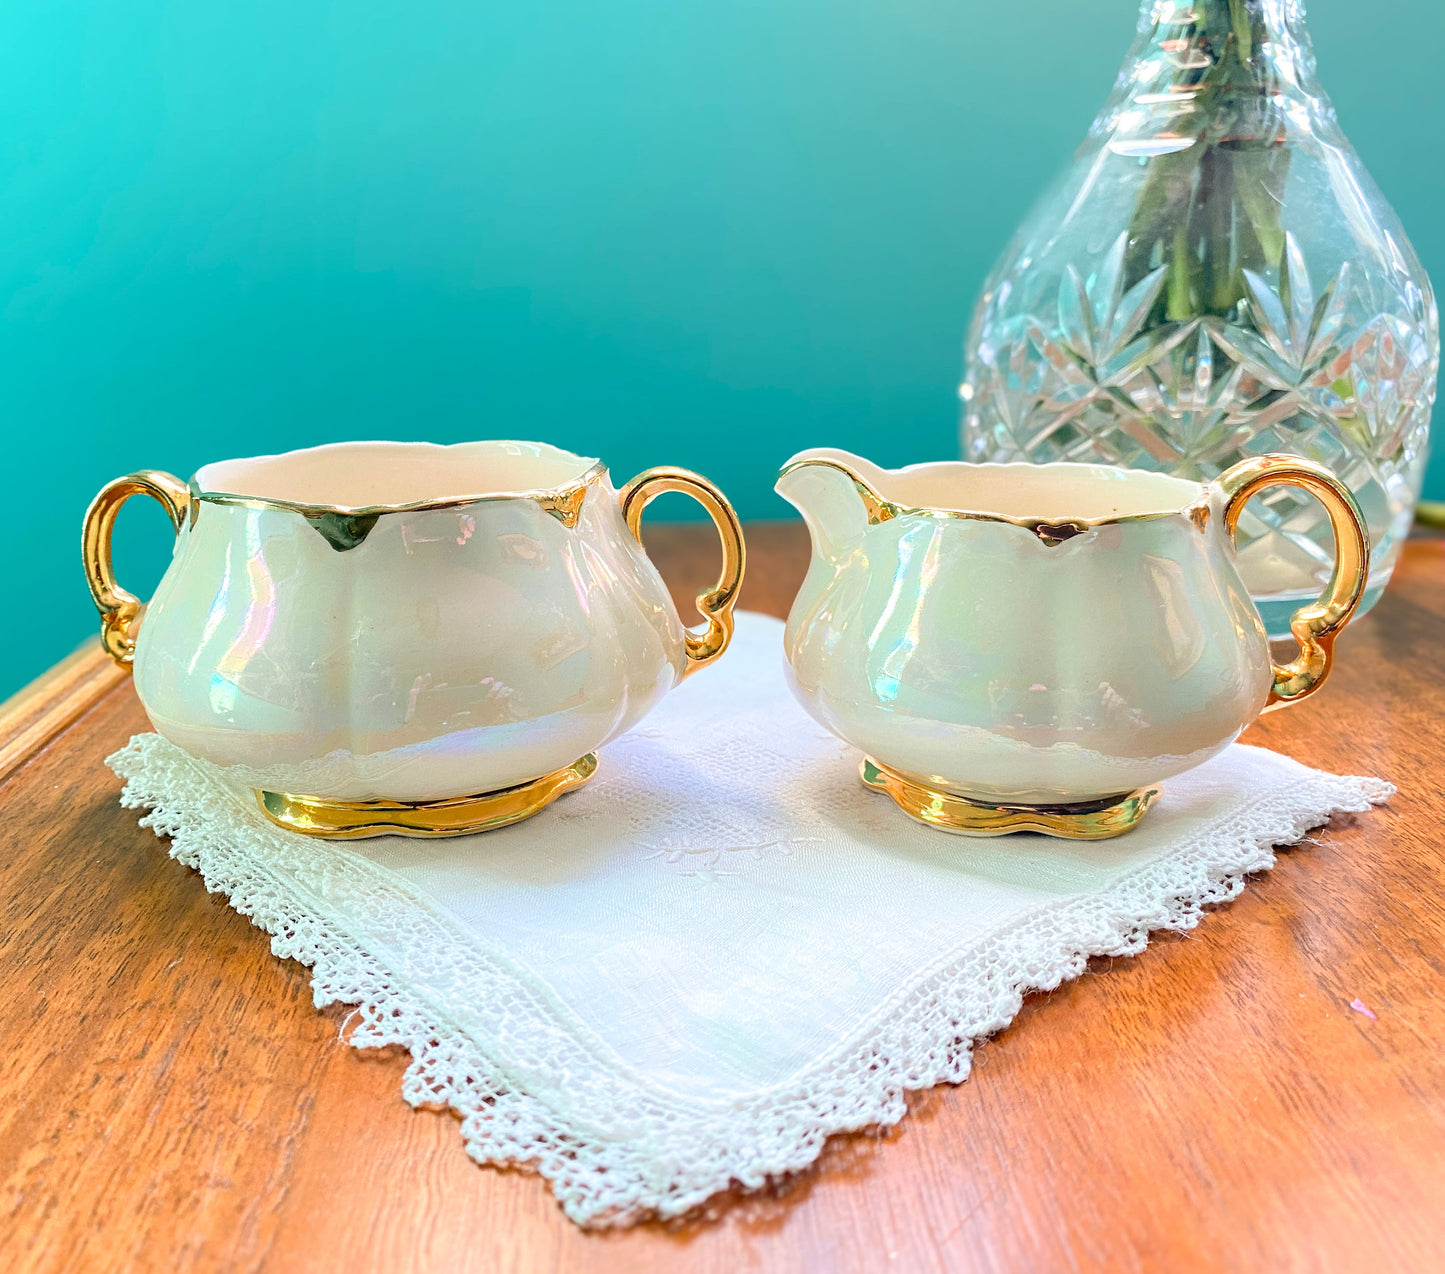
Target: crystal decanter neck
1231,72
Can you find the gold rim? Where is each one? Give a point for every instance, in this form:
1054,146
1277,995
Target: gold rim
344,527
459,816
1050,532
562,502
1098,820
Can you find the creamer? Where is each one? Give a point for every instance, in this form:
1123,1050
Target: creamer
1036,647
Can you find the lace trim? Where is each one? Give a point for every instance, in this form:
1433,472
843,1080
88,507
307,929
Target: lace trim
616,1147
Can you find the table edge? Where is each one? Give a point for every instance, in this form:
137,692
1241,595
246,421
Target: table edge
56,699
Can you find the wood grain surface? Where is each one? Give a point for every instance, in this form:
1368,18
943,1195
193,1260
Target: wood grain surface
171,1100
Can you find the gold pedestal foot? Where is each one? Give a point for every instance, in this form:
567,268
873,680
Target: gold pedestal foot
458,816
1097,820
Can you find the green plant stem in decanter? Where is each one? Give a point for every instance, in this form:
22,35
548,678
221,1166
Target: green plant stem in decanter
1216,276
1207,106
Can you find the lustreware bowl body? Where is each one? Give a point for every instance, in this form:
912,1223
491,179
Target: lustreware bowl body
1041,635
445,645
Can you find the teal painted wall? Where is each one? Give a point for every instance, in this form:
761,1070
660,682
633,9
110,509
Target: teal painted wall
692,233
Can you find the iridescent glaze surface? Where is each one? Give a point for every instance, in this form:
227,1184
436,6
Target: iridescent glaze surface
1045,635
315,635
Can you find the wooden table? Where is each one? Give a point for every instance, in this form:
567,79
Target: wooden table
170,1099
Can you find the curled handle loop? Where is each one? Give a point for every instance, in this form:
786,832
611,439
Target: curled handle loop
120,611
1316,625
715,605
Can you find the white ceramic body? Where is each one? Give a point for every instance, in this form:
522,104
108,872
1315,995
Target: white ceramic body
452,651
974,657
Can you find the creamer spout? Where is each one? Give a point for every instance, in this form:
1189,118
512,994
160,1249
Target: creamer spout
837,495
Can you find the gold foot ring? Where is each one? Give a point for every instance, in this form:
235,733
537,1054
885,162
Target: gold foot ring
458,816
1097,820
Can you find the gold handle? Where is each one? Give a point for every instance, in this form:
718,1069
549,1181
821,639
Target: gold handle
120,611
1317,625
716,605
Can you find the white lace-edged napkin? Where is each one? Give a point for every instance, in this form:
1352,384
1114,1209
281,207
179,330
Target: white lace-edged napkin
724,949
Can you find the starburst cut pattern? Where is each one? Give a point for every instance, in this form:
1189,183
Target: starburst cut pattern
1344,376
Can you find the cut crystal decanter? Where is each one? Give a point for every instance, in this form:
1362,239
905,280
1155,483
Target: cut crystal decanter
1216,276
